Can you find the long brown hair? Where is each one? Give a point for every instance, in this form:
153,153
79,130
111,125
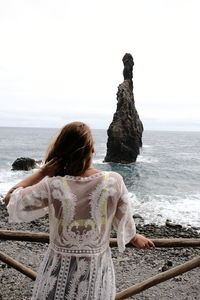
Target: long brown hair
74,145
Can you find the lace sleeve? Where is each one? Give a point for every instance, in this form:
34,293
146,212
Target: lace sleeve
27,204
123,220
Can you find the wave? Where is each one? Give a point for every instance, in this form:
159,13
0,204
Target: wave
157,195
146,159
147,146
9,178
179,209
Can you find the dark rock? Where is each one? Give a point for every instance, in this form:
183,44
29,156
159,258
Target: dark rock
24,164
169,263
170,224
138,219
137,216
125,131
3,266
167,266
195,228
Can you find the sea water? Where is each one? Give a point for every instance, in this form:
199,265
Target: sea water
164,182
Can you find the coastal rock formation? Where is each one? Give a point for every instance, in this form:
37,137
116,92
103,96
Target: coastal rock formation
125,131
24,164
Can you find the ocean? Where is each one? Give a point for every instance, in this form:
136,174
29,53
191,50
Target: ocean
162,184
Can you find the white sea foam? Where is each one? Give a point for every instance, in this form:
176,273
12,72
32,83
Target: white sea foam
9,178
158,208
146,159
99,161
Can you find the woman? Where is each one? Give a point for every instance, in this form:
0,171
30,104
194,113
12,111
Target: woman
83,203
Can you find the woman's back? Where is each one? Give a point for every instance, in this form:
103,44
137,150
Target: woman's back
82,210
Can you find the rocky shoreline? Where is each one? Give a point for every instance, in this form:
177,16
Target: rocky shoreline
131,267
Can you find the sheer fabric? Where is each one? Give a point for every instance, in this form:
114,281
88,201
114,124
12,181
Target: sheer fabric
82,210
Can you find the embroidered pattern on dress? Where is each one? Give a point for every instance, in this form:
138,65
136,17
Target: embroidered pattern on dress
82,266
98,202
69,204
62,278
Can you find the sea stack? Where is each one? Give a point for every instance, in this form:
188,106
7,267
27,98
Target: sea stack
125,131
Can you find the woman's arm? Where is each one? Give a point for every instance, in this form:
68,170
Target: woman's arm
28,181
48,169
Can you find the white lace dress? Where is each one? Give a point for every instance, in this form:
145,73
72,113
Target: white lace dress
78,263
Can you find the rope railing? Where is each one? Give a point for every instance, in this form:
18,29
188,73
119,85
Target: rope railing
135,289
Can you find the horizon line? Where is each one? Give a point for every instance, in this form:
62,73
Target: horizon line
39,127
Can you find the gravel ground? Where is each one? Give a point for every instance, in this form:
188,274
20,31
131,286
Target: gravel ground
131,267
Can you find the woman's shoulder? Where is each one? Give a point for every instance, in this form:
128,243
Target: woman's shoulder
115,175
54,180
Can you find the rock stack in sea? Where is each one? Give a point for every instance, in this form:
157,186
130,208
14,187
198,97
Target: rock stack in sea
125,131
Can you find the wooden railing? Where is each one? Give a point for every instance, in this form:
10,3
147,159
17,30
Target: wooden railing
135,289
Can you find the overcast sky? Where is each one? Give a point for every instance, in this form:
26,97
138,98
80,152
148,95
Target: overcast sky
61,60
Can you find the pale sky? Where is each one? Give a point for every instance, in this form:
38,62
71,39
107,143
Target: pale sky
62,61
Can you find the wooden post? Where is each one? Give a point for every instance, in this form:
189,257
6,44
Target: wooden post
165,243
139,287
27,236
44,238
18,266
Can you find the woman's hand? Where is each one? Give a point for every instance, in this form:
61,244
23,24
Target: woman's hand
141,242
51,167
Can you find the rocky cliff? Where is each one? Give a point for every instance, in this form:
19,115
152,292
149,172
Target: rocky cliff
125,131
